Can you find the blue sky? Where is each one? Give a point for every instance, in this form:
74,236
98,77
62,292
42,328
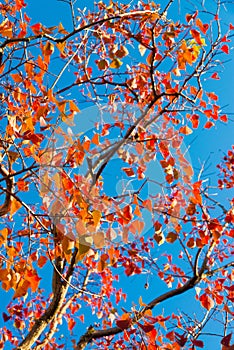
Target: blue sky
203,145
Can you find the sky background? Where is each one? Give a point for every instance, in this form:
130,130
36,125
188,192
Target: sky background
204,146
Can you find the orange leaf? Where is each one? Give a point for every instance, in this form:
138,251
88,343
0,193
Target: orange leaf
141,302
71,324
215,76
95,139
61,47
195,120
6,28
48,49
203,27
115,63
224,118
96,214
3,236
212,96
17,78
15,205
185,130
22,289
73,107
61,29
196,35
33,279
41,261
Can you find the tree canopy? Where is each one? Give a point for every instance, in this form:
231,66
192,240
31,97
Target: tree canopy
112,236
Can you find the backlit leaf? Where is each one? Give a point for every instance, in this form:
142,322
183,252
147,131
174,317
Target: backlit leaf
185,130
206,301
15,206
225,49
196,35
116,63
99,239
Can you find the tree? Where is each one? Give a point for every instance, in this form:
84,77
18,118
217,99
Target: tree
69,243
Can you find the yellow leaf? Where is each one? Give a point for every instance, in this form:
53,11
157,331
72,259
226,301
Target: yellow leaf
96,217
6,28
141,302
61,47
115,63
176,71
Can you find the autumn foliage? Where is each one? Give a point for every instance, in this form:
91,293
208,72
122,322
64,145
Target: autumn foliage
87,266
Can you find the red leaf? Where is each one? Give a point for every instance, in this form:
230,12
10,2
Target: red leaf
195,120
36,28
71,324
224,118
193,16
5,317
198,343
181,339
225,49
208,125
129,171
146,327
212,96
206,301
171,336
226,340
215,76
81,317
123,324
231,27
127,212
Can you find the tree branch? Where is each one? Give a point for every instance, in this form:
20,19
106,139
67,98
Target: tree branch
52,310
